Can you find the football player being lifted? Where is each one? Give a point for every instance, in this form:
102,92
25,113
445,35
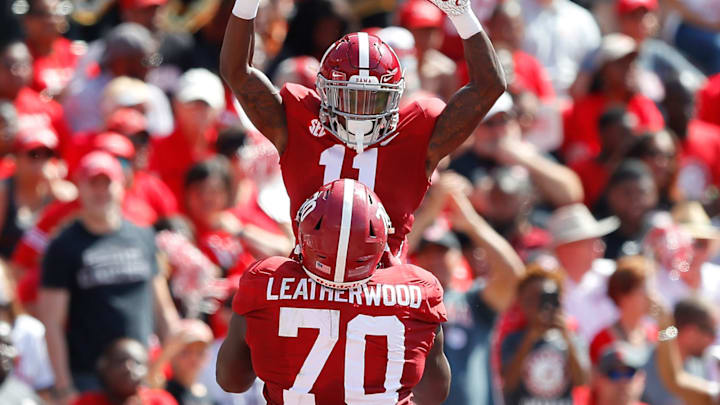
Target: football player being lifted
351,125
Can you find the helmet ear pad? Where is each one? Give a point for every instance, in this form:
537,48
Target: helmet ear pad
342,236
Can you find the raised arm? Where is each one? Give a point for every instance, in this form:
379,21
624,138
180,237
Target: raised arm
467,106
260,100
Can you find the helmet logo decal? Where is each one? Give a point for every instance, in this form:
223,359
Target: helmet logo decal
383,215
388,76
316,128
307,207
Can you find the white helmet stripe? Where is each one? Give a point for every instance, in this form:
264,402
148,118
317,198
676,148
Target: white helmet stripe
364,50
345,224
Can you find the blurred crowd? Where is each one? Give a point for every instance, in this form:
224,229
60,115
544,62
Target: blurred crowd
577,217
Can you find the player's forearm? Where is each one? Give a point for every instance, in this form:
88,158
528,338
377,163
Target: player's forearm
264,244
57,352
435,385
558,184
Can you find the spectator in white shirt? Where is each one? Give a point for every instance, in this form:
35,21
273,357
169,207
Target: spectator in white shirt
559,34
579,250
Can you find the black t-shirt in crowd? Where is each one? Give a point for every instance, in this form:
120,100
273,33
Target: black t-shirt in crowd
187,396
109,279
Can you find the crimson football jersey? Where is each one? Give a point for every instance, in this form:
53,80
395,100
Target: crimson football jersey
313,345
394,168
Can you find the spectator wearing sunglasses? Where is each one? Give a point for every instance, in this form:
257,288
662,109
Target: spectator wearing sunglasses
617,379
24,195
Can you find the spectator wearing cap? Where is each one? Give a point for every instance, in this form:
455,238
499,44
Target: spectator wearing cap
675,371
659,151
615,130
542,360
628,287
32,364
699,140
472,312
578,248
99,280
143,12
24,195
613,83
34,112
657,61
632,197
199,99
559,33
121,367
187,353
8,131
618,377
129,49
506,31
437,72
497,142
54,56
12,390
702,278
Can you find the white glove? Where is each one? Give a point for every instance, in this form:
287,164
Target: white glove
452,7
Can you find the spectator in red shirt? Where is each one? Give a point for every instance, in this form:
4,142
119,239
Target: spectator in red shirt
615,132
628,289
613,84
699,140
220,234
122,368
199,99
506,32
24,195
54,57
709,101
34,111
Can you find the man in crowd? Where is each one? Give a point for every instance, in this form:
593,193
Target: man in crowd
100,280
578,247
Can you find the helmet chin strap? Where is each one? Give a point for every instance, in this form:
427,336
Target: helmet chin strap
358,129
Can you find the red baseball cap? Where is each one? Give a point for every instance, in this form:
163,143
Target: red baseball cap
97,163
125,4
420,14
114,144
34,138
127,121
628,6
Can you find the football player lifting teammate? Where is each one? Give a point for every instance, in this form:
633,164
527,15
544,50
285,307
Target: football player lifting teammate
331,327
351,126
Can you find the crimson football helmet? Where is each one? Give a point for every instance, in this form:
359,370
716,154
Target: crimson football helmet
342,231
360,83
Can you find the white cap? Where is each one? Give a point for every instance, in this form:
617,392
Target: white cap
504,104
573,223
201,85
